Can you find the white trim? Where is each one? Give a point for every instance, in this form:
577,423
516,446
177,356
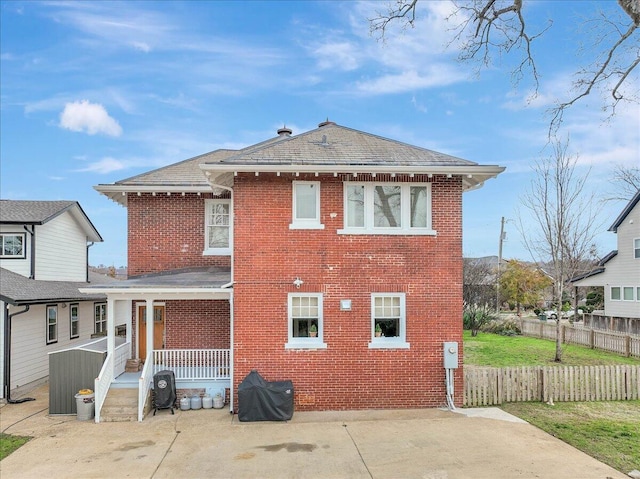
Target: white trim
208,205
396,342
635,248
305,223
305,343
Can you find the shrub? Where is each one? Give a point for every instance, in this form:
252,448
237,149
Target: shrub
503,327
474,317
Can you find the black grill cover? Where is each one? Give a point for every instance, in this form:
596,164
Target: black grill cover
260,400
164,389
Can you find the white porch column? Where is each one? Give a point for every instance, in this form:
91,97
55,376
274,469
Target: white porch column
111,326
150,325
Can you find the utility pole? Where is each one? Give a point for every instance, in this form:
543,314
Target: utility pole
502,235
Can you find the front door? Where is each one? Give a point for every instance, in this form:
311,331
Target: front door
158,329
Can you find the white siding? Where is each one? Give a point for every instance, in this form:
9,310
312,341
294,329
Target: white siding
29,351
2,320
20,266
61,250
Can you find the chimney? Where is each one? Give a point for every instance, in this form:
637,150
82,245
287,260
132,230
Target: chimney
284,131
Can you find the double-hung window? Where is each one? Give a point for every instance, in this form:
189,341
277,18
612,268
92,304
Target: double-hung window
305,321
306,205
12,245
218,227
387,208
74,321
636,248
52,324
388,321
100,317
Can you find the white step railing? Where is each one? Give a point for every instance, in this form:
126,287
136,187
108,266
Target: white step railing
112,367
144,386
194,364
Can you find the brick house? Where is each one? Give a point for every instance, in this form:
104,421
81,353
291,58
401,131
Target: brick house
332,258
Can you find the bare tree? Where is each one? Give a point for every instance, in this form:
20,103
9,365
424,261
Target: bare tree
492,28
479,279
564,222
626,183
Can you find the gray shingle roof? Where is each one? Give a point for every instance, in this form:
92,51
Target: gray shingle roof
333,144
17,289
31,212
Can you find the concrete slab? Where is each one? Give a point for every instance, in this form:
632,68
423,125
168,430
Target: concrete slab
426,444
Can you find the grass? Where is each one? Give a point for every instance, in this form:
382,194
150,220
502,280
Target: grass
607,431
9,443
487,349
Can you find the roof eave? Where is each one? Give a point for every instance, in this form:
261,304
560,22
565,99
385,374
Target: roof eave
118,193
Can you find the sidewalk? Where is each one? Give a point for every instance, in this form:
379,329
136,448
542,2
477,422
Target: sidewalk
426,443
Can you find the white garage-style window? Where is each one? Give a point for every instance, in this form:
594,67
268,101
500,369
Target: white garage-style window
305,325
218,227
52,324
306,205
387,208
388,321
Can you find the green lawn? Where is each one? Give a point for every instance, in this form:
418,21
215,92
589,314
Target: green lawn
607,431
488,349
9,443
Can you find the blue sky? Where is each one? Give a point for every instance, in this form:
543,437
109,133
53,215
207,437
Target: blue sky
94,92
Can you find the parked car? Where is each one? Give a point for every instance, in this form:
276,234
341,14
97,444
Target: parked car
551,314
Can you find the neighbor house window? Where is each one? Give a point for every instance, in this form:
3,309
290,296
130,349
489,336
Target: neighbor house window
305,321
636,248
74,321
388,321
306,205
52,324
387,208
12,245
615,293
627,293
100,318
218,227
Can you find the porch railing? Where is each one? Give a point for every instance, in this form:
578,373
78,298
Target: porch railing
145,384
194,364
113,366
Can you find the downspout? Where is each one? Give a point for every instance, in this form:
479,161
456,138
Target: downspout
32,265
7,355
88,246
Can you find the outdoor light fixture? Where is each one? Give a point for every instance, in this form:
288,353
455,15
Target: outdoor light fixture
297,282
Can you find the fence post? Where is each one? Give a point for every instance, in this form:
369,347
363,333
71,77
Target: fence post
592,338
627,345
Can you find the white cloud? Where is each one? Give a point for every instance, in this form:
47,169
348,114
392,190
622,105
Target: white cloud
437,75
341,55
105,165
88,117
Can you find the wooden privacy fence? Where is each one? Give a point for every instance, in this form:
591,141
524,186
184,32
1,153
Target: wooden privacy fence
619,343
493,386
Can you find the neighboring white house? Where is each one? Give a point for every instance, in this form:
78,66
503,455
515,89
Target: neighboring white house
44,250
619,271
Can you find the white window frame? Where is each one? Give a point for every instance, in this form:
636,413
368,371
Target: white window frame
405,205
305,343
74,320
636,248
305,223
51,321
99,318
619,298
208,206
625,290
13,256
397,342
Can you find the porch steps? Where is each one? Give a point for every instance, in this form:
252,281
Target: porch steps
121,405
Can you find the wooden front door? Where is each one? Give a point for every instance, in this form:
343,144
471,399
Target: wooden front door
158,329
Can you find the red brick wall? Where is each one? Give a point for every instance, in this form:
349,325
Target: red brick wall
346,375
197,325
167,233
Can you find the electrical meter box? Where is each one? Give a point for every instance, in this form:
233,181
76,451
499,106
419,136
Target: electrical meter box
450,355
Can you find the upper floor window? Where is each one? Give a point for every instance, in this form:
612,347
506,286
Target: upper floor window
615,293
52,324
100,318
387,208
306,205
305,321
12,245
636,248
74,321
218,227
388,321
627,293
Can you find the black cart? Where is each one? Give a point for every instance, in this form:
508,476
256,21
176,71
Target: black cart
164,390
261,400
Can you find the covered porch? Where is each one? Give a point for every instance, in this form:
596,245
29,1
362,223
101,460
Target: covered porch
135,309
